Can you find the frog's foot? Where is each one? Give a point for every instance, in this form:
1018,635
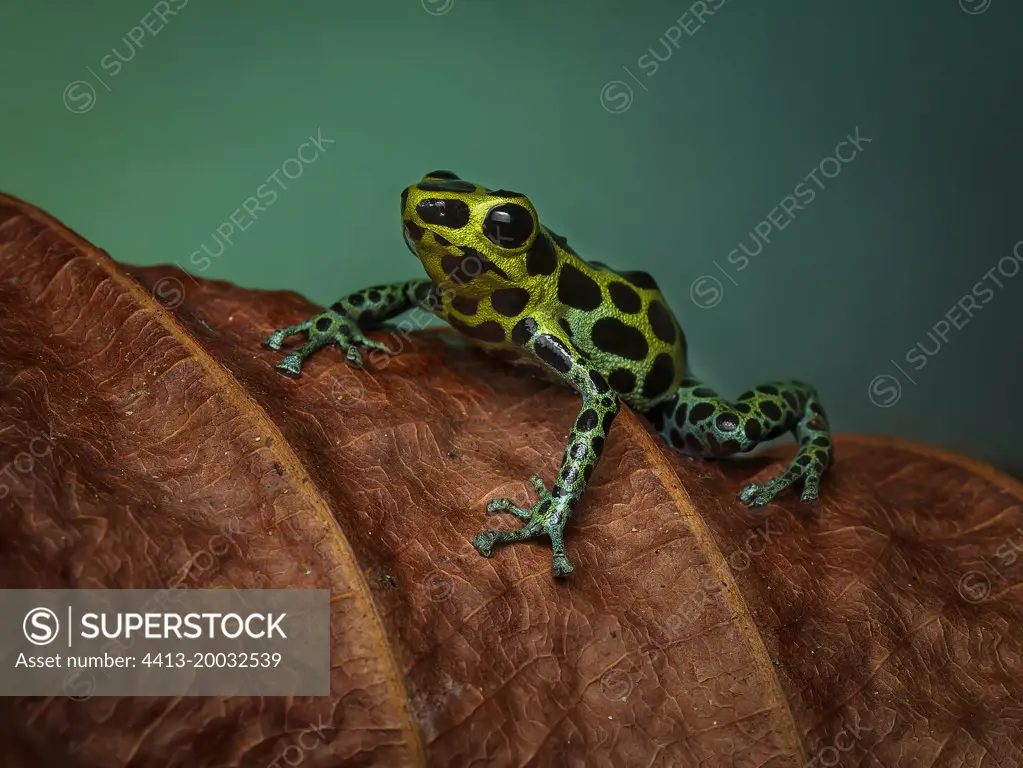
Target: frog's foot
328,327
545,518
805,466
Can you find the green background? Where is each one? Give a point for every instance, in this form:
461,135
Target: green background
509,94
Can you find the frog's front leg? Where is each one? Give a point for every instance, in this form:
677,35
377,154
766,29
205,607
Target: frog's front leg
699,422
549,515
340,323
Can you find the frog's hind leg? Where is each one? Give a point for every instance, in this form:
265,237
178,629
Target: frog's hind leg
699,422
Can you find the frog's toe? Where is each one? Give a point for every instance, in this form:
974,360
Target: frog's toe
275,339
749,493
542,519
811,488
290,365
562,565
757,495
352,355
490,538
541,488
496,506
376,346
484,542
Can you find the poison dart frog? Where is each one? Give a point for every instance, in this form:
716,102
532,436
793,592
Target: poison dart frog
513,286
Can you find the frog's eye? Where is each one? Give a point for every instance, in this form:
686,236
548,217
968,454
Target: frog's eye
508,225
441,175
443,213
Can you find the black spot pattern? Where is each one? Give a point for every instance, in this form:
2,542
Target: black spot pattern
423,291
625,298
454,268
541,259
441,240
640,279
577,290
523,331
753,429
481,263
374,296
699,412
509,301
656,417
680,414
611,335
504,193
565,326
770,410
446,185
553,352
467,305
623,380
491,330
562,242
661,322
599,382
441,175
569,474
323,324
661,376
587,420
443,212
414,230
767,389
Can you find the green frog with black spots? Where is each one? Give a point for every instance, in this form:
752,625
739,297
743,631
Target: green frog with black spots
511,285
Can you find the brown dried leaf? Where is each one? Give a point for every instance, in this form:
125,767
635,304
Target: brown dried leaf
694,631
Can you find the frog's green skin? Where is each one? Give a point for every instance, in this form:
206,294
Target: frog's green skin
517,289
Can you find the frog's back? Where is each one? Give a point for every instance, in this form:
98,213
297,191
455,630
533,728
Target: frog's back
620,323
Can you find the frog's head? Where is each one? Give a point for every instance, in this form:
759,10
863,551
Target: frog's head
471,239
